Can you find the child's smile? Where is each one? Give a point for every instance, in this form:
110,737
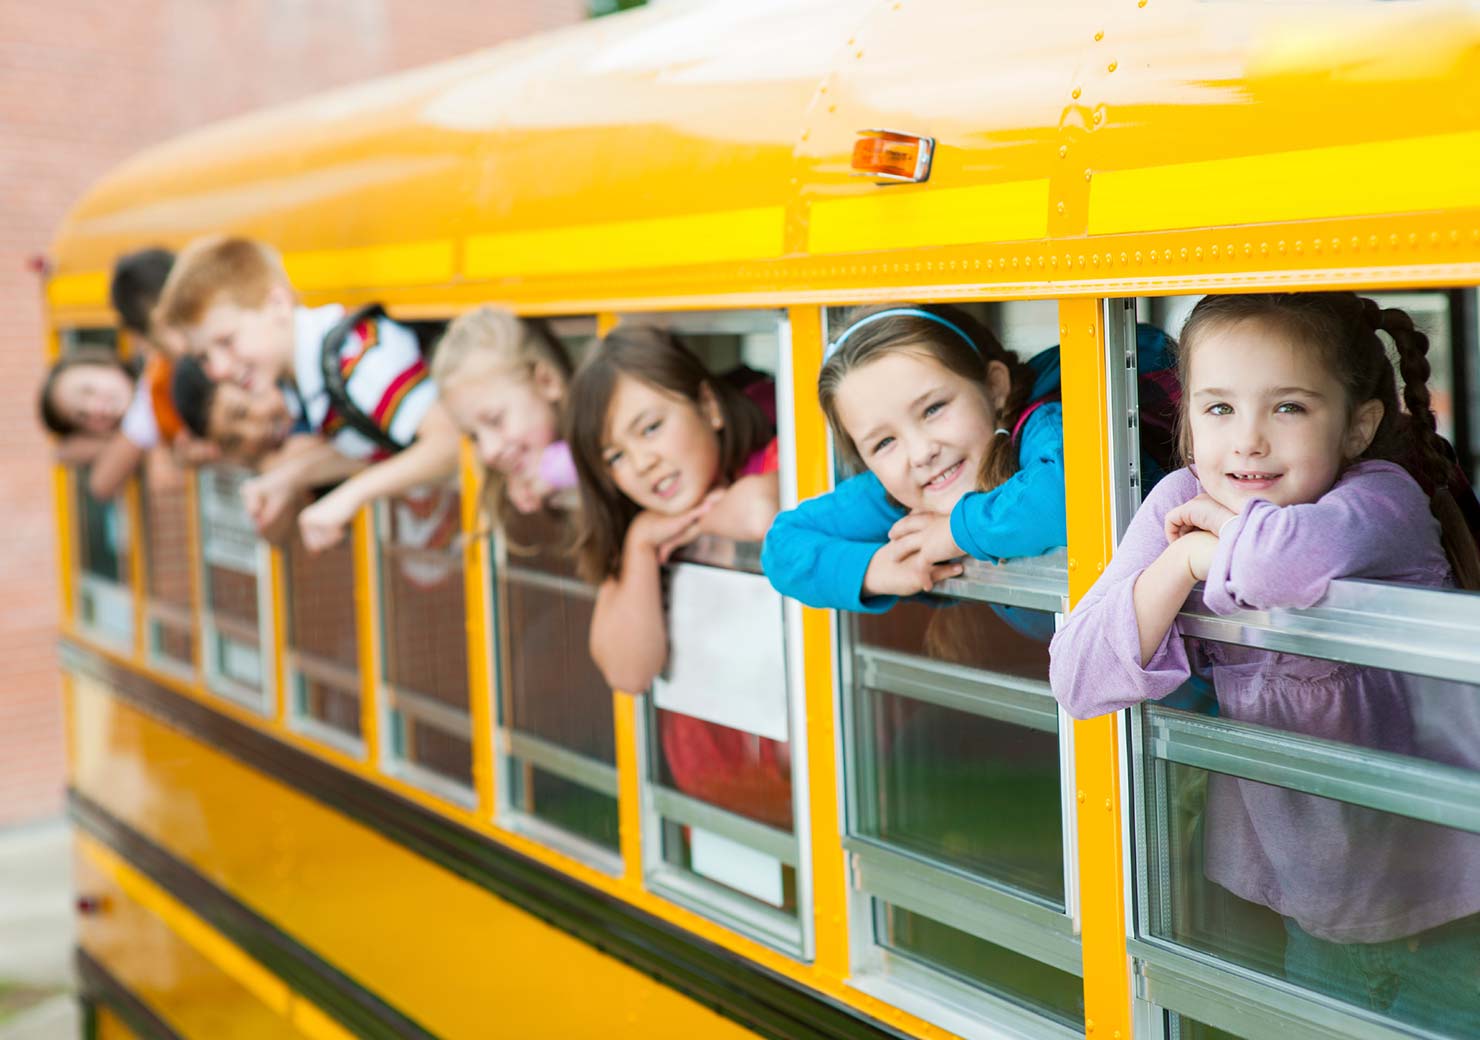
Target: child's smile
1267,419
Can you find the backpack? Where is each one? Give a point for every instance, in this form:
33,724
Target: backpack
335,385
1159,396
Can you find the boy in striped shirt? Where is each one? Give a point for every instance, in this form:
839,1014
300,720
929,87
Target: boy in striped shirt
231,300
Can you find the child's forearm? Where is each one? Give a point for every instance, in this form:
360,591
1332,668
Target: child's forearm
747,509
629,632
1159,594
113,466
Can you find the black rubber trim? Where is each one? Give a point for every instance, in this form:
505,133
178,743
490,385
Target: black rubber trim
357,1008
99,986
756,997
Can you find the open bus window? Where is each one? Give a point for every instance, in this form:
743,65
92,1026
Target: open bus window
718,779
958,829
555,747
167,609
424,648
235,597
555,710
1309,835
322,644
102,548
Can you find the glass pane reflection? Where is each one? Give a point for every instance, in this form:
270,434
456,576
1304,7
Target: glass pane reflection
961,786
1022,980
1371,908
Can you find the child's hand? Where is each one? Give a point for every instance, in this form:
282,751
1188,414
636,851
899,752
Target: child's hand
194,451
930,534
265,499
1203,513
744,510
1199,547
322,524
662,534
898,569
526,494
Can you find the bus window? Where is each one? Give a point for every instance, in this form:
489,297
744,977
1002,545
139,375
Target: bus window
957,817
1306,845
102,561
556,750
171,630
424,649
322,645
720,784
236,598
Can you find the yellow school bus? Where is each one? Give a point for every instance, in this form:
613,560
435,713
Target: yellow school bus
382,791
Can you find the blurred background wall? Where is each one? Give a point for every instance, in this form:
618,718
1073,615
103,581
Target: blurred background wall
83,85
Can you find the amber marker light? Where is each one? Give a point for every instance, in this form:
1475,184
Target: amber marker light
893,156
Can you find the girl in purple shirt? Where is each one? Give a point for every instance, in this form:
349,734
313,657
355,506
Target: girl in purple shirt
1304,470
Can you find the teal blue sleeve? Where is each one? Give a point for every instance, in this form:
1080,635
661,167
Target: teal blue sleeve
1023,516
819,552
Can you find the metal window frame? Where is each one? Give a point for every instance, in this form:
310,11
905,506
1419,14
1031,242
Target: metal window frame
388,696
1038,583
1419,631
512,748
297,676
213,638
792,935
937,997
93,589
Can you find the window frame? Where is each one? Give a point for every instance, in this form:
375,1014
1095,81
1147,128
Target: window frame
1034,928
213,640
1400,628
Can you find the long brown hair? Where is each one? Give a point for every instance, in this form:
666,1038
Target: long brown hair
1342,328
658,358
948,336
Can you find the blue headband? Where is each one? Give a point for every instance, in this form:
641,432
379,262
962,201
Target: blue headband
912,312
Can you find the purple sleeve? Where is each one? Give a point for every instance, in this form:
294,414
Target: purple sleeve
557,468
1374,523
1095,658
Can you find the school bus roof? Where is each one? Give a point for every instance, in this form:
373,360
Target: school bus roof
703,150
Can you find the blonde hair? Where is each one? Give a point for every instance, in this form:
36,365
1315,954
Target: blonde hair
495,338
242,270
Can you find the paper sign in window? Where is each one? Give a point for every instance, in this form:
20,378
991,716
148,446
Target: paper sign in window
726,651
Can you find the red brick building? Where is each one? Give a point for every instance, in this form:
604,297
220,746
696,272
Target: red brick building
83,85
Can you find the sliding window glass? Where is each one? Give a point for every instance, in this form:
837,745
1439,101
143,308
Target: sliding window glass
236,592
423,642
555,747
322,646
165,539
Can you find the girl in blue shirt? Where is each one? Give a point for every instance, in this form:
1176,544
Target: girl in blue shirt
963,448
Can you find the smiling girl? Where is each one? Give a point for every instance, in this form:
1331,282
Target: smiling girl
1304,469
503,379
962,445
666,451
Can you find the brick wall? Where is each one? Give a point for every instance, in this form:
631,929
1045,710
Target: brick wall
84,84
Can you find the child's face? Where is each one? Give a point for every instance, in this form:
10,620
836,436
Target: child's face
1267,419
248,424
249,346
93,397
920,428
511,415
662,449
